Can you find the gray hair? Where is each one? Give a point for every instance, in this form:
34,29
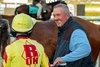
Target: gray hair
64,6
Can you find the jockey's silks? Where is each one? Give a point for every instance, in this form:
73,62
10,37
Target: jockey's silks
25,52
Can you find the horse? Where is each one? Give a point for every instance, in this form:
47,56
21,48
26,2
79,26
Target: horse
46,34
29,9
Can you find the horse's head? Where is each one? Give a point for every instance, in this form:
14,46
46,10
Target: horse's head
22,9
27,9
32,11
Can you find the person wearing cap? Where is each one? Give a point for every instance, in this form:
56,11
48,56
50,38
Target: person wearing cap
24,52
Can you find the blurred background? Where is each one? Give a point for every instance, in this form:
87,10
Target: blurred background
77,7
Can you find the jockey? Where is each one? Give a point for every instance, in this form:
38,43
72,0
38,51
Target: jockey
39,5
24,52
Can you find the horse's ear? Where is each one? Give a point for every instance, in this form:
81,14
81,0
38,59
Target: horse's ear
33,9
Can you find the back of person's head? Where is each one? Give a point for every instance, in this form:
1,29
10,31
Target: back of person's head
22,23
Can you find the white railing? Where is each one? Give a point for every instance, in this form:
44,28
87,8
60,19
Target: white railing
90,18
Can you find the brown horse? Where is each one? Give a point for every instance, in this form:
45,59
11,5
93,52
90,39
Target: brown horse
28,9
46,33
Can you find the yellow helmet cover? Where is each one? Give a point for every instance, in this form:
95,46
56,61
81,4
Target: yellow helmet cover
22,23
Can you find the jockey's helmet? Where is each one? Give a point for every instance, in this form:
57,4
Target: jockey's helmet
22,23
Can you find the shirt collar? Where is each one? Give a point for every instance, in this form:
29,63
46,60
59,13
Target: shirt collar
22,37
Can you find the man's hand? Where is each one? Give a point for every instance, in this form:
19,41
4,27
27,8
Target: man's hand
57,62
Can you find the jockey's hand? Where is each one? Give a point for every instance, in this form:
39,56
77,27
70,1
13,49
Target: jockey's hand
57,62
